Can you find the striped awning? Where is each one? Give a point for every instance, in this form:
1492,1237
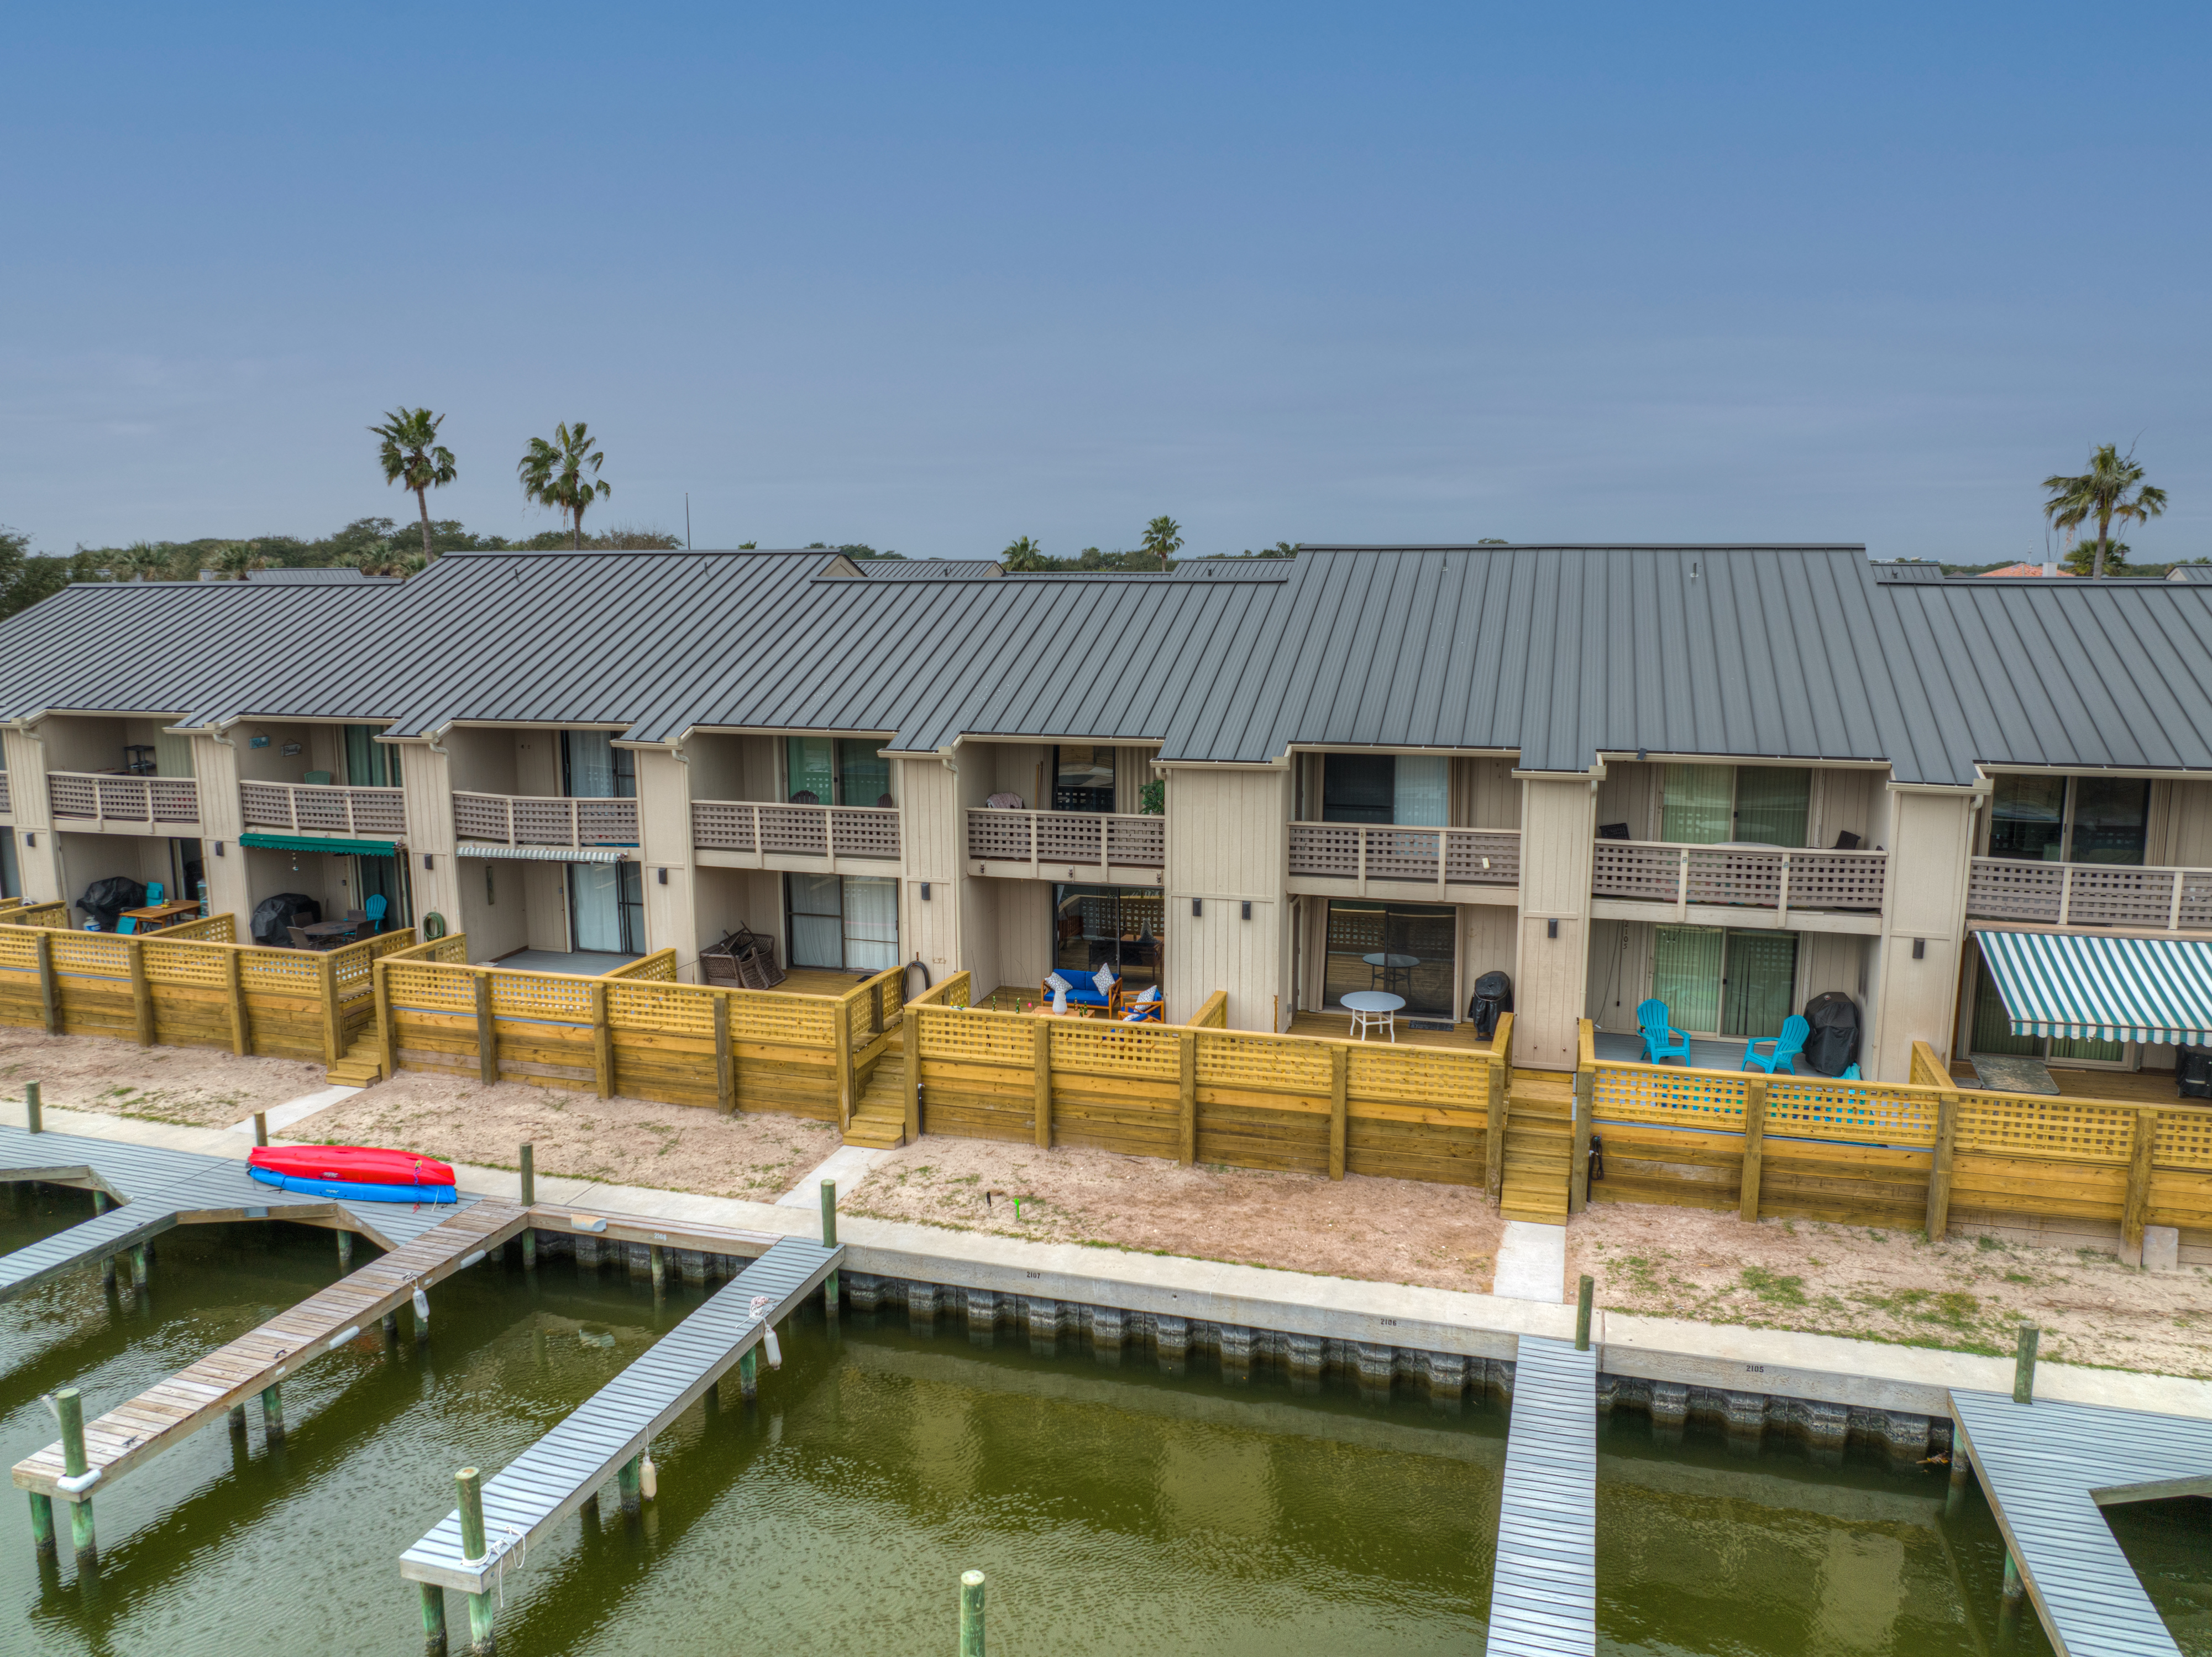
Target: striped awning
543,854
2087,988
339,845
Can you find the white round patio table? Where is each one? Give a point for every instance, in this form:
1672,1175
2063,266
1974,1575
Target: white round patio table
1371,1009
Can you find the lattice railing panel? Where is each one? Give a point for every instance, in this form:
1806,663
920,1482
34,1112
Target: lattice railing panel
544,821
1001,837
1069,836
1326,850
674,1009
353,964
1262,1063
869,831
480,817
961,1037
430,987
92,953
1999,889
72,795
1730,876
606,822
1146,1050
658,967
1632,869
1426,1076
19,948
281,971
764,1015
2184,1141
212,928
1137,842
2107,895
795,830
2023,1124
723,825
1837,879
1706,1100
1482,857
553,996
1802,1108
171,961
1404,853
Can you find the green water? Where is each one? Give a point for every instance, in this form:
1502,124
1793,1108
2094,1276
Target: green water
1114,1510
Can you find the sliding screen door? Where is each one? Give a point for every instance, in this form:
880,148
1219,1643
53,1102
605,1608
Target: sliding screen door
595,905
1771,803
870,923
1686,974
1698,802
1761,976
818,921
811,765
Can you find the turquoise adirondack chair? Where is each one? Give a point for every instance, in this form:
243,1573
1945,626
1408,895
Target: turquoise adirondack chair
1786,1046
1661,1041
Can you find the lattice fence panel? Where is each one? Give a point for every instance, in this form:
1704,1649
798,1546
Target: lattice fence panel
1424,1075
19,948
172,962
1710,1100
1801,1108
2185,1140
550,996
762,1015
91,955
676,1010
216,929
430,989
1264,1063
1130,1050
962,1037
2021,1124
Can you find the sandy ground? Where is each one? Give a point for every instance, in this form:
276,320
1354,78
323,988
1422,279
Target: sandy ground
1966,1294
199,1087
629,1141
1385,1230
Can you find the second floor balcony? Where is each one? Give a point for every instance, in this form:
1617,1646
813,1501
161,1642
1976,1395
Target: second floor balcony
118,802
2090,894
315,808
7,802
1360,860
1739,885
769,834
544,820
1112,848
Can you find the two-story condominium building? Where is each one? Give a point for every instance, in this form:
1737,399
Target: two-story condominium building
1730,778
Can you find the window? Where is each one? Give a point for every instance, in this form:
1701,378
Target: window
2081,819
1412,788
1709,805
368,762
836,772
1121,927
11,878
606,906
592,768
1401,949
1082,778
843,923
1725,982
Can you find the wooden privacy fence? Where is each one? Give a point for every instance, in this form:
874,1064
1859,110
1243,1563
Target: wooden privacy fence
24,913
1199,1092
191,986
638,1032
1924,1154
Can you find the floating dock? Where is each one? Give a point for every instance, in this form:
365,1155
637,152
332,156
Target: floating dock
558,1474
1543,1594
2049,1469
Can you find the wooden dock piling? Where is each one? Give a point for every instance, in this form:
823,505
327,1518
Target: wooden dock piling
749,1376
626,1481
434,1619
529,1163
345,1250
2023,1369
42,1525
657,1262
273,1413
972,1614
69,1405
829,1240
481,1606
1585,1294
33,1108
261,1127
138,1266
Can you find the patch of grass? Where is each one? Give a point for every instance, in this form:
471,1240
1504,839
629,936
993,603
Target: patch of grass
2019,1277
1775,1289
1988,1244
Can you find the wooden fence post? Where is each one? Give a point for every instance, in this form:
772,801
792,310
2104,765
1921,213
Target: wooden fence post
233,989
725,1062
2138,1202
142,993
50,999
1578,1169
1043,1051
1754,1146
603,1041
487,1036
1494,1178
849,1081
1187,1151
387,1045
910,1043
1939,1167
333,1027
1340,1066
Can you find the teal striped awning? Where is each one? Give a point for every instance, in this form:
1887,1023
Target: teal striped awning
338,844
2084,987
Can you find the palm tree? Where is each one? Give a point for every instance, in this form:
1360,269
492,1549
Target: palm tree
1022,555
2103,492
553,475
413,455
1162,538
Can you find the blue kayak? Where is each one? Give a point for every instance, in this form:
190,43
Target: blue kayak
347,1191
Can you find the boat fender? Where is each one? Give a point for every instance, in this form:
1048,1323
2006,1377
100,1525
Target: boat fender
422,1306
775,1352
648,1478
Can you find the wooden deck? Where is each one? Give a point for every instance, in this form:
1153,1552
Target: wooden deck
2047,1469
1337,1027
165,1415
2128,1087
1543,1596
820,981
556,1476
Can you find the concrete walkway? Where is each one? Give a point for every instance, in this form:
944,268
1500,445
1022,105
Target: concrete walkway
1829,1368
1532,1262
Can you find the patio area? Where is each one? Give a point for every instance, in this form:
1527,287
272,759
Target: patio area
1705,1052
577,963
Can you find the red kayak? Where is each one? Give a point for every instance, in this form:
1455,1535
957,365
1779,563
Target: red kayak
354,1164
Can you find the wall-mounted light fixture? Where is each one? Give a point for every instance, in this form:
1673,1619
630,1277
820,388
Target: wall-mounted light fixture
1920,950
1248,908
1551,929
1197,907
426,860
218,848
925,892
663,876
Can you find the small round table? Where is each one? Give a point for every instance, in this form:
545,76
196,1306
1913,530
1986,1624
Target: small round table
1371,1009
1387,966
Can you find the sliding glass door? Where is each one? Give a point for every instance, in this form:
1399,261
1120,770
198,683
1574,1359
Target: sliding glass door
843,924
1724,983
606,907
1757,805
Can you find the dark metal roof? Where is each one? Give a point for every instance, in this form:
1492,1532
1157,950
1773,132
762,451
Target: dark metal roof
1555,654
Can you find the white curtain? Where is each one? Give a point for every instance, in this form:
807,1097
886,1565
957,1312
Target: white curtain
595,899
1421,797
591,764
817,933
870,923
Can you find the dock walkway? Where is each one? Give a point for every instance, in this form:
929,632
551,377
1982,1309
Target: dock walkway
556,1476
167,1413
2048,1468
157,1189
1543,1595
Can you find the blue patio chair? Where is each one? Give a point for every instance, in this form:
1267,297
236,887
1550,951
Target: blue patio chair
1661,1041
128,923
154,891
1786,1046
375,907
1851,1073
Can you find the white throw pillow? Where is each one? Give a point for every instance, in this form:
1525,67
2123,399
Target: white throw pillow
1054,981
1103,978
1152,994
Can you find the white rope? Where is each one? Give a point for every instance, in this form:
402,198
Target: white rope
497,1551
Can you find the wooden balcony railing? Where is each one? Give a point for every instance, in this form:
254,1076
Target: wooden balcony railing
1422,856
322,810
102,797
795,830
523,820
1759,877
1069,838
2090,894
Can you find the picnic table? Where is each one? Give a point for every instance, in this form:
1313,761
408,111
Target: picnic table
155,917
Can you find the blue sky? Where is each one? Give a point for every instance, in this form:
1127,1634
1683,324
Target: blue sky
935,277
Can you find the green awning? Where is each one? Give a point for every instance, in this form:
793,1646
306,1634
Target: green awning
309,843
